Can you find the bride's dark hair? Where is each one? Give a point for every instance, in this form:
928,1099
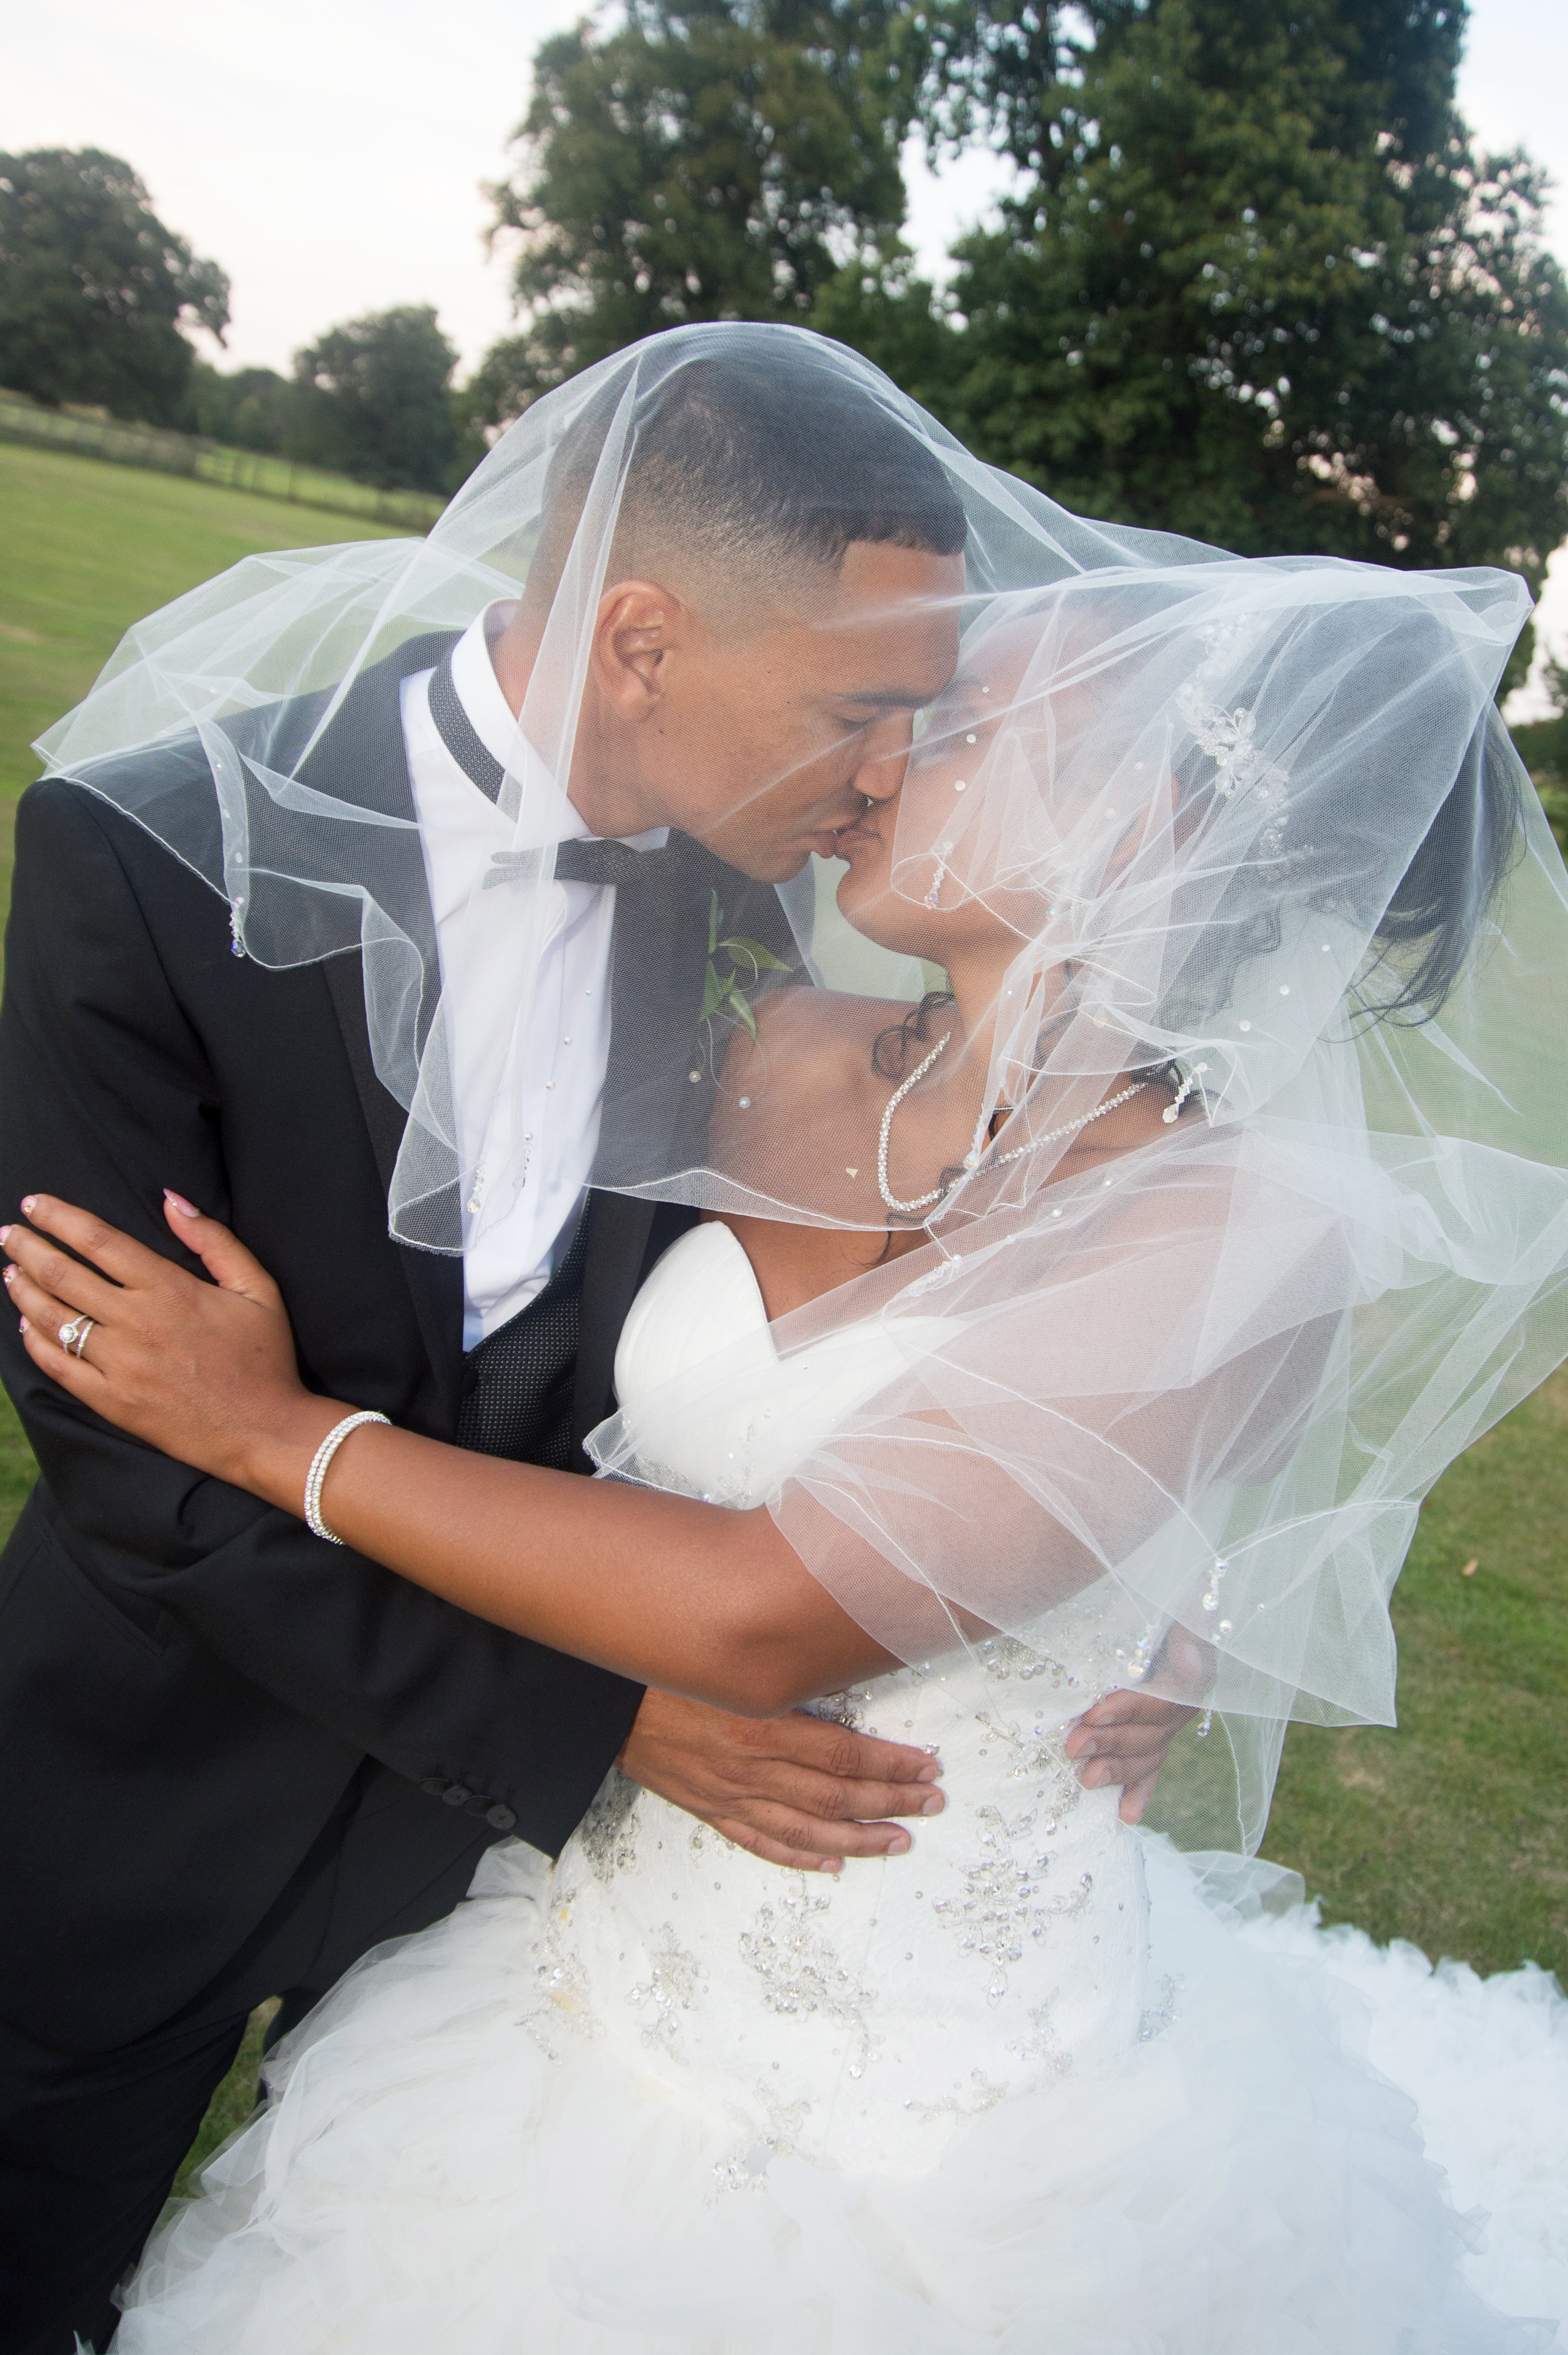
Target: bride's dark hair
1425,931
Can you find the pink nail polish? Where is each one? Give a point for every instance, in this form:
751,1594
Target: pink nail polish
9,1276
5,1234
23,1324
178,1202
28,1202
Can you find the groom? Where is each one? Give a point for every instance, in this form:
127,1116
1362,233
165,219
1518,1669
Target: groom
234,1765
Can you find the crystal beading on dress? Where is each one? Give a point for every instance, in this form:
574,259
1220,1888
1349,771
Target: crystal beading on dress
855,2019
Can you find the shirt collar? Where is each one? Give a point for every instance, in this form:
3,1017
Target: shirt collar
547,815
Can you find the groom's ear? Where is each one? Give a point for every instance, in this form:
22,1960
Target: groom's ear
639,629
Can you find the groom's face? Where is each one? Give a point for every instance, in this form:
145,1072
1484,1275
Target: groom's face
761,734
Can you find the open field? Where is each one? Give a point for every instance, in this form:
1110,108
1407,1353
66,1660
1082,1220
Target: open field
89,548
1451,1831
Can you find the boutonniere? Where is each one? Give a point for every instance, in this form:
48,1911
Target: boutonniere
735,966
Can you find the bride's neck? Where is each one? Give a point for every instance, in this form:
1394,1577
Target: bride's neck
979,984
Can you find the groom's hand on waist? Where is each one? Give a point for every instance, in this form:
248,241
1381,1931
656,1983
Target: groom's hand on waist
797,1790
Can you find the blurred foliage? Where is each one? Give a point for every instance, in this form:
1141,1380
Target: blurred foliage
374,401
246,408
94,293
1255,284
94,288
372,398
705,159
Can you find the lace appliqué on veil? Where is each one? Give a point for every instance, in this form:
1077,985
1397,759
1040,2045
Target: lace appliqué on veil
1228,737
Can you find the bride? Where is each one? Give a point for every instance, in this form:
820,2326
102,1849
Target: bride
1149,1176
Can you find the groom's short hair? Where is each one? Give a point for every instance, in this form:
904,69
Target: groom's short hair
750,466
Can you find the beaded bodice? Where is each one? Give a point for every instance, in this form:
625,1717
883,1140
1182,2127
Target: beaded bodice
856,2018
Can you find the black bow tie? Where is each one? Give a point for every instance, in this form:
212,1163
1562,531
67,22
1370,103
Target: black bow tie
574,862
584,862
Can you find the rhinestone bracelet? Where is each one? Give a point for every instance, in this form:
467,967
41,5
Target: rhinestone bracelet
319,1464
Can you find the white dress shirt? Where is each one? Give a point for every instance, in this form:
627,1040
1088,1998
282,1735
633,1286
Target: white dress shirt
526,1094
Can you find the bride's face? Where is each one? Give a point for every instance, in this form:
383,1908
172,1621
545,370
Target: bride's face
924,876
1003,812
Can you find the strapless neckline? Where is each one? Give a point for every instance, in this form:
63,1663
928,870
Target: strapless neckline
701,1297
708,1403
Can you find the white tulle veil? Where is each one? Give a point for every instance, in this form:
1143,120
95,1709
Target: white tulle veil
1256,839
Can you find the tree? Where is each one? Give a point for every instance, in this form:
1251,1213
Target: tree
252,409
708,159
94,289
374,400
1255,284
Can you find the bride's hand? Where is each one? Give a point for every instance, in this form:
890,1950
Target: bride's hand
202,1371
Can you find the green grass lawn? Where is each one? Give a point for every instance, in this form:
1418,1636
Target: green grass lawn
89,548
1451,1831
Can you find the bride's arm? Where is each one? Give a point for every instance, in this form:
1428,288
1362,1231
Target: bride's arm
694,1598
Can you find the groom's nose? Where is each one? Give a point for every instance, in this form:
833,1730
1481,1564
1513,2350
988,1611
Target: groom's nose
886,757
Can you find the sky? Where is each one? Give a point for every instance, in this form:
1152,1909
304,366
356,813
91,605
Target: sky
331,154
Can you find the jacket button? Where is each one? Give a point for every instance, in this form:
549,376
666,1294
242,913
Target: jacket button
456,1796
501,1819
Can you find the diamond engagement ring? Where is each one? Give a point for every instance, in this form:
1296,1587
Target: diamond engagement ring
73,1336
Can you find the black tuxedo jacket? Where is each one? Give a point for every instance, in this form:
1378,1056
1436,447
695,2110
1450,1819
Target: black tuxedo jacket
189,1681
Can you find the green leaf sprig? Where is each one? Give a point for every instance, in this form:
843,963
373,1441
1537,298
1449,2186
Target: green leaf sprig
725,994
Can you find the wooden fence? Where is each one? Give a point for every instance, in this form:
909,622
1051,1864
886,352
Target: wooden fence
210,462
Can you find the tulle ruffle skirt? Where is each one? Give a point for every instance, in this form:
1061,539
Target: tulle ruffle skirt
430,2177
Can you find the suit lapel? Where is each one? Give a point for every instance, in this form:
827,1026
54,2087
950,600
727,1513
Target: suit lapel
434,1278
362,758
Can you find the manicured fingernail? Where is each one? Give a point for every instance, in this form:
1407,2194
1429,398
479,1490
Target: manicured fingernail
23,1324
28,1202
9,1276
933,1806
5,1234
178,1202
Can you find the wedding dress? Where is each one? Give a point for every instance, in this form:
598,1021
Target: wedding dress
1041,2085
